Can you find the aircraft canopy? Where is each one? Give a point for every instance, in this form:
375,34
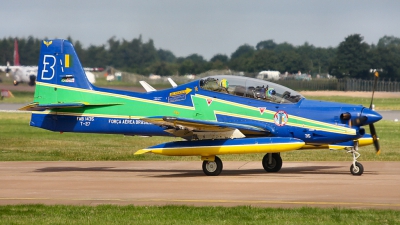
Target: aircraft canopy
251,88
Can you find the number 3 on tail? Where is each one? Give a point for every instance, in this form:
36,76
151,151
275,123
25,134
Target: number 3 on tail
49,61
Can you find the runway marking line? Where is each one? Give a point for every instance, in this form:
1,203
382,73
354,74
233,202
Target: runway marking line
215,201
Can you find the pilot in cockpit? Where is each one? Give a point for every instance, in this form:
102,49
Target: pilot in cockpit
260,92
224,84
270,95
264,93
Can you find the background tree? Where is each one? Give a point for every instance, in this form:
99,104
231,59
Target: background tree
263,60
352,59
220,57
240,59
219,62
268,45
290,61
243,51
31,49
166,56
284,47
96,56
387,56
193,64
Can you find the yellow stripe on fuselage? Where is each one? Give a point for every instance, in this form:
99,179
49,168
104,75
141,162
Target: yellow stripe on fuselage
223,149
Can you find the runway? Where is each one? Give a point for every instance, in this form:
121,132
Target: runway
316,184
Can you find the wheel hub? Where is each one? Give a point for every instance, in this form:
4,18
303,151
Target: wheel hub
211,166
272,164
356,169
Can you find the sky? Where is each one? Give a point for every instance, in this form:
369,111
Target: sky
204,27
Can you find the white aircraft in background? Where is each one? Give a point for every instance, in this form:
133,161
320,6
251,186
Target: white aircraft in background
21,74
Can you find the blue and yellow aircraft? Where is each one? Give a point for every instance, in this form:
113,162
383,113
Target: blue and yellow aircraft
215,115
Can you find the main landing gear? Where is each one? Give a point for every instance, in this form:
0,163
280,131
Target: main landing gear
272,162
356,168
212,166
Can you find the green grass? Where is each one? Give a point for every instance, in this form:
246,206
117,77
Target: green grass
19,97
109,214
20,142
380,103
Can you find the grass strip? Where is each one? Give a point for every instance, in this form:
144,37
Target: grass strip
380,103
111,214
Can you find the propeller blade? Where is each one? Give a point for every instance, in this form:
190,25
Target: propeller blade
373,90
375,138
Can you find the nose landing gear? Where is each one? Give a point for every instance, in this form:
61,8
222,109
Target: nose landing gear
356,168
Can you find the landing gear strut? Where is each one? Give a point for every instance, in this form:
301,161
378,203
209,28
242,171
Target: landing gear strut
272,162
356,168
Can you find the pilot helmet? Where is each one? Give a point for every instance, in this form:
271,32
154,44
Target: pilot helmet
271,92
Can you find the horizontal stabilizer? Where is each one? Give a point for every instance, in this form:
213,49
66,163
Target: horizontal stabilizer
228,146
42,107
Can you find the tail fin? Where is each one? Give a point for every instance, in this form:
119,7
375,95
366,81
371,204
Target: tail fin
16,54
59,69
60,65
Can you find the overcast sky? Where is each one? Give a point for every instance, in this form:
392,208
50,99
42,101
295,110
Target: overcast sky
205,27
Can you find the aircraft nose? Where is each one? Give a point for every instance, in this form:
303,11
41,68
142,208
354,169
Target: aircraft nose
371,115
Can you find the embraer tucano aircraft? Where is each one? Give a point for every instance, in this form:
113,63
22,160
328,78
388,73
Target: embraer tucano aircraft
215,115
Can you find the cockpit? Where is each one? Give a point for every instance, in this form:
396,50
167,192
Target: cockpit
250,88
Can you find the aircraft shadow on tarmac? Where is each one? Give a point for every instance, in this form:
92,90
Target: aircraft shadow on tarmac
294,171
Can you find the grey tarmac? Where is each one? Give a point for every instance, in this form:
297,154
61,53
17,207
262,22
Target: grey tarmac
298,184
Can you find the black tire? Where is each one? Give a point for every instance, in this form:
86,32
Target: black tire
358,170
276,164
211,168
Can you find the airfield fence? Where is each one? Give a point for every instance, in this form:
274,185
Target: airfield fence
298,85
340,85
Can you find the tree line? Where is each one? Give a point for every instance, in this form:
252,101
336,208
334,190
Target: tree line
352,58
